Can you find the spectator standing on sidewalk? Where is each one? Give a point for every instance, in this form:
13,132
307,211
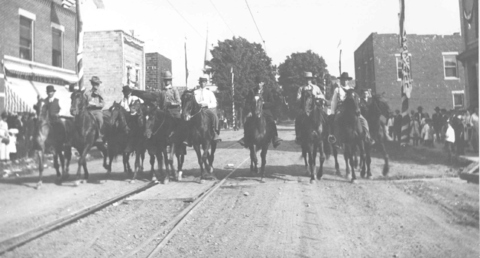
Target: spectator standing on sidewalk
4,138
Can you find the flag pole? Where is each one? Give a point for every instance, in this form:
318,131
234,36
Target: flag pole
186,66
79,44
406,84
234,115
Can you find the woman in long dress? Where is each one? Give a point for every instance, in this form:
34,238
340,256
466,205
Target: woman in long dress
4,154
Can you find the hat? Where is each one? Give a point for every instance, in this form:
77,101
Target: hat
50,88
307,75
167,75
126,89
345,76
437,109
95,79
202,79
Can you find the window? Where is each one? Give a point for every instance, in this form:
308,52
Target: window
57,47
450,65
458,98
399,66
26,38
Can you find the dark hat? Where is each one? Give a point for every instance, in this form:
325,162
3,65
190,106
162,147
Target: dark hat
307,75
345,76
437,109
126,89
95,79
167,75
50,88
202,79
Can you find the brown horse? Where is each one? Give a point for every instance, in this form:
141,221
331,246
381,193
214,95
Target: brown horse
314,131
350,133
86,132
372,112
117,136
198,122
54,134
257,134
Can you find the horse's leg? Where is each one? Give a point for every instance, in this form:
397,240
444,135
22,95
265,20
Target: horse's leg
211,157
386,167
68,156
199,158
368,160
337,166
206,152
253,159
180,160
363,163
263,155
167,161
312,153
172,167
305,157
362,157
40,157
101,147
347,157
322,159
160,165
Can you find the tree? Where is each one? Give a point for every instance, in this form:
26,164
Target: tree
291,73
248,61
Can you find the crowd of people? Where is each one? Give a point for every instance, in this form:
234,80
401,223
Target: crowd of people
456,128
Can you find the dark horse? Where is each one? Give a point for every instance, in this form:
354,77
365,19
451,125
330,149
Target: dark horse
372,112
349,132
257,134
198,122
86,132
314,131
55,134
117,136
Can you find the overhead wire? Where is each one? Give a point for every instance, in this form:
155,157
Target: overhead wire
200,35
219,14
253,18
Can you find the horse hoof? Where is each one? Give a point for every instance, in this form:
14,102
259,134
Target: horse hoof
369,177
166,181
353,181
180,174
38,186
155,181
58,181
202,181
312,181
76,183
132,181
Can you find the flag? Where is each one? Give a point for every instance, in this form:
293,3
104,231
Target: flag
72,3
186,65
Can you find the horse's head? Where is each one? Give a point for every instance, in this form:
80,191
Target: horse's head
256,104
189,105
352,102
79,102
154,119
308,101
40,109
118,117
137,109
379,106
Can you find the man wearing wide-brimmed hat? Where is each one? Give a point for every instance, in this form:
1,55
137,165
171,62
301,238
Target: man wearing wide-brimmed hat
172,97
95,104
339,95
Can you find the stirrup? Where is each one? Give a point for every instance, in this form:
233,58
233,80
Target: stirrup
332,139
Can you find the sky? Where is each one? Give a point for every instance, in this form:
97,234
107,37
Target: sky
286,26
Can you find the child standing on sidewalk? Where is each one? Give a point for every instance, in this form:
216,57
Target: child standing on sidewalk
449,140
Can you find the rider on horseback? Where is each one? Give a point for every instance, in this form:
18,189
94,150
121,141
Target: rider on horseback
173,102
267,105
318,96
339,96
128,99
95,105
52,104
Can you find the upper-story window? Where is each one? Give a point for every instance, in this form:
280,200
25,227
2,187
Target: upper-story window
26,38
398,59
450,66
57,45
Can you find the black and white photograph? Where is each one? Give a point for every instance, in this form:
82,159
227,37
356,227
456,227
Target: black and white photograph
239,128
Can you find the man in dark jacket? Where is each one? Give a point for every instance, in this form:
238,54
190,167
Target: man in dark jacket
437,123
397,126
52,103
267,106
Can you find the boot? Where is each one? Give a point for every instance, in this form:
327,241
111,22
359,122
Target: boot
276,141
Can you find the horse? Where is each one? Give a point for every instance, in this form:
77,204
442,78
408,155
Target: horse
86,132
54,135
314,131
257,134
350,133
372,112
198,120
117,136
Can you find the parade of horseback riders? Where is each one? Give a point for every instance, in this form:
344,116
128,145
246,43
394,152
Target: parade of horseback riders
164,123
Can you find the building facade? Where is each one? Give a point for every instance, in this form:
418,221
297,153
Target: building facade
37,48
438,79
117,58
156,65
469,57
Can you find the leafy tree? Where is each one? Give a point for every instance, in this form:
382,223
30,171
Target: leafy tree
248,61
291,73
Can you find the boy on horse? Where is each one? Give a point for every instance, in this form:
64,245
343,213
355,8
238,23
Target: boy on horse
128,99
339,96
95,105
318,96
267,105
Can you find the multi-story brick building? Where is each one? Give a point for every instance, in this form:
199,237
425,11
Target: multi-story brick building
438,80
117,58
156,65
37,48
469,57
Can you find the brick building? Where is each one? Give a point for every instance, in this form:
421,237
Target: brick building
37,48
156,65
469,57
117,58
438,80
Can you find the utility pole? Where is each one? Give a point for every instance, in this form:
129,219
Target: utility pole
406,87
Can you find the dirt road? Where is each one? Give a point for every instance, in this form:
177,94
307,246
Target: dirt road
284,217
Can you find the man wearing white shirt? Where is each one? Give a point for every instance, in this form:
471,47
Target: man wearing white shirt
128,99
207,99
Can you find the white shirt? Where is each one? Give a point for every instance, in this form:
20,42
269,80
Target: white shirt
339,94
450,135
206,98
317,92
126,102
